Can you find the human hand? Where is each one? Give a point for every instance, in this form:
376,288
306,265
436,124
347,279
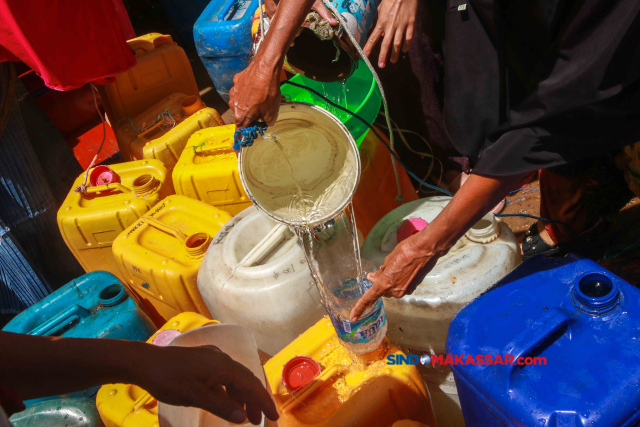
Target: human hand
402,271
206,378
396,19
255,94
272,5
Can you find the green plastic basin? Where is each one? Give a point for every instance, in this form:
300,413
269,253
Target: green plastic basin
359,94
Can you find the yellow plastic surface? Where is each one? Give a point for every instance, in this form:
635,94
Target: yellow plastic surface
127,405
208,170
347,393
90,223
160,254
163,68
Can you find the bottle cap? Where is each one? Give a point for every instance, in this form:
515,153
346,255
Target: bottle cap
299,371
410,227
101,175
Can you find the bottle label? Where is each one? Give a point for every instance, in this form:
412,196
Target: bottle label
365,329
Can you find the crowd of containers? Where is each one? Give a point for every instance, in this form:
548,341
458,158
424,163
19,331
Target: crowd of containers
171,243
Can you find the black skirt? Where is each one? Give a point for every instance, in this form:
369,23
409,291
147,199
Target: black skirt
539,83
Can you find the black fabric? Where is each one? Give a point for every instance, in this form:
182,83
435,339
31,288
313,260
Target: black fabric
535,84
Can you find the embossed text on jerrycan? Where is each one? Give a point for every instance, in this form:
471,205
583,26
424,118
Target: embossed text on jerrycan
89,223
160,254
255,274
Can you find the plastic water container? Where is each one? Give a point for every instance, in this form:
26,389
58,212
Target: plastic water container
418,323
223,40
162,69
160,254
69,412
255,274
95,305
89,223
581,319
208,170
234,340
316,383
161,131
127,405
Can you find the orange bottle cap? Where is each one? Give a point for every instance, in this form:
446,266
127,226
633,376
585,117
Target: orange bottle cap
299,371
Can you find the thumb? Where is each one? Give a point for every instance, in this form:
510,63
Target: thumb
324,12
367,300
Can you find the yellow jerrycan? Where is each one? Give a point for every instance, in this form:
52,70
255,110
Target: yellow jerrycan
89,223
159,255
162,69
127,405
316,383
208,170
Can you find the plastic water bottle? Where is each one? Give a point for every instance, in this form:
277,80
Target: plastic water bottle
334,259
366,334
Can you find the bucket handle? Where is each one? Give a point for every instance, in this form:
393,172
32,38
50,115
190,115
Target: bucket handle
271,241
528,340
107,187
68,317
166,229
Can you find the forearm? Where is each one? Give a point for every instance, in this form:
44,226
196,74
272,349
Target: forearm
475,198
283,29
45,366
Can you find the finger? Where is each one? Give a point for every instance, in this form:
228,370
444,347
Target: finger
384,50
252,389
408,37
373,39
324,12
372,276
216,401
367,300
254,413
397,46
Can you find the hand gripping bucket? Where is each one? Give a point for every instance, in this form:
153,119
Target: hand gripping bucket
320,156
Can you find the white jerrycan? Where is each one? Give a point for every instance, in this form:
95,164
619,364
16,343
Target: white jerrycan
255,274
234,340
419,323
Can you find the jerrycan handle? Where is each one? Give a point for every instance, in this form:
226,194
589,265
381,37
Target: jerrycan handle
69,317
528,340
107,187
271,241
166,229
226,8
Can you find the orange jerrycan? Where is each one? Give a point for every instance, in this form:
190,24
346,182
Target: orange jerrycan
163,68
160,254
90,222
208,170
127,405
378,180
316,383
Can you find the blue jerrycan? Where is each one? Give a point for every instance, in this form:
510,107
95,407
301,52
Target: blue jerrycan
95,305
555,344
223,40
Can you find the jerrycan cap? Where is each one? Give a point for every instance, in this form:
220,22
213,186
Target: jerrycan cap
410,227
299,371
101,175
165,337
596,293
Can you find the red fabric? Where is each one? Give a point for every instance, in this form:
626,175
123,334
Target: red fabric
10,401
67,42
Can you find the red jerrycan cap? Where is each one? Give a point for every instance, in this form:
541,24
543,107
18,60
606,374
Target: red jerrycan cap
101,175
299,371
165,337
410,227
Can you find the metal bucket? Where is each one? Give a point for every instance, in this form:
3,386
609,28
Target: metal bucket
322,159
